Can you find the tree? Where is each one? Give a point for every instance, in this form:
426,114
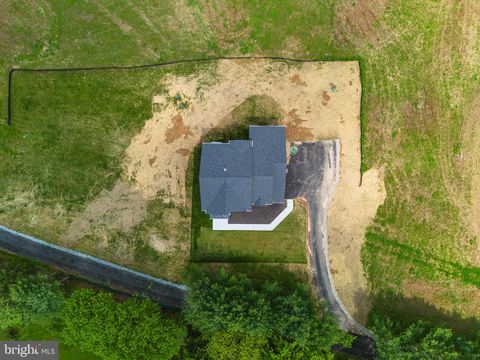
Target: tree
228,303
231,310
25,298
419,341
236,346
133,329
35,296
9,316
285,350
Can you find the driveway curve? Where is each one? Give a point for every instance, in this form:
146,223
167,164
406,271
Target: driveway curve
313,175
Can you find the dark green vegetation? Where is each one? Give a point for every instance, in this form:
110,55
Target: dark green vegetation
238,317
420,341
28,298
39,303
30,303
49,330
287,274
227,317
420,78
133,329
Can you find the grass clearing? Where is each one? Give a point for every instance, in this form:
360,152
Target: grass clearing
285,244
417,88
65,147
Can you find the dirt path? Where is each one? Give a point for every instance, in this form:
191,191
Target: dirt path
352,210
317,101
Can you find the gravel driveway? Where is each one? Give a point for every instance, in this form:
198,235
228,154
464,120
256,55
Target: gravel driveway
313,175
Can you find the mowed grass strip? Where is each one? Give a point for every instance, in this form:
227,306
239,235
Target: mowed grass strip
285,244
416,262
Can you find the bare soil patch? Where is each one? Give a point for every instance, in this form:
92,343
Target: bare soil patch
177,130
356,19
295,79
346,230
295,130
118,209
321,102
167,240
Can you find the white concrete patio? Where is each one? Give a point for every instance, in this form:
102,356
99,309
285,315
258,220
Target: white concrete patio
222,224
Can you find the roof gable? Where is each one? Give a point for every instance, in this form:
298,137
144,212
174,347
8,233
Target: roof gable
240,173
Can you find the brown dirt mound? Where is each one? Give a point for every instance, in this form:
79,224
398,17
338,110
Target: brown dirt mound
177,130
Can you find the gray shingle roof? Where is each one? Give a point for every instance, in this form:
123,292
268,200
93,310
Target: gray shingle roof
240,173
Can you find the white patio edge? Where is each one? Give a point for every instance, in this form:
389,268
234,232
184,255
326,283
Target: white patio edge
222,224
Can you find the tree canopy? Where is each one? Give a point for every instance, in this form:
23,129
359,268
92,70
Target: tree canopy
237,316
27,297
420,341
132,329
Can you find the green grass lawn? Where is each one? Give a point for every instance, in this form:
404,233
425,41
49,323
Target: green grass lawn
285,244
66,144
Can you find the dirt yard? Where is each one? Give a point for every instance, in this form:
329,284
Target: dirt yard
317,101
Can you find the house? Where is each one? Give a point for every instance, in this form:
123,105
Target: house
242,182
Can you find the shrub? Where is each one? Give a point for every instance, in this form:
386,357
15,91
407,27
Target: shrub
133,329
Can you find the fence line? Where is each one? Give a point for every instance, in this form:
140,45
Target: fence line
185,61
166,293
